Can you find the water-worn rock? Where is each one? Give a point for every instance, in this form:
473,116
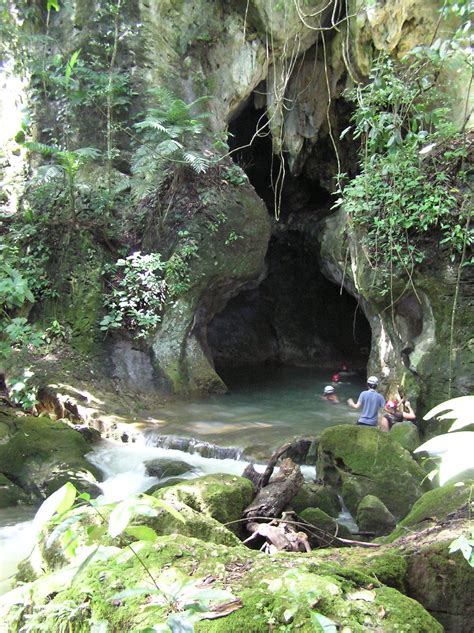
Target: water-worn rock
293,590
317,496
39,455
164,467
10,493
222,497
361,461
434,506
327,524
406,434
373,516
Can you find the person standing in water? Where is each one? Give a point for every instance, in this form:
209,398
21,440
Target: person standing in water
329,394
371,403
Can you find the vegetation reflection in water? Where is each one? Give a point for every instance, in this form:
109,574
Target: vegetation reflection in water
266,405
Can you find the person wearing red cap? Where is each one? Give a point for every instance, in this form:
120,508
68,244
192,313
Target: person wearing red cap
391,416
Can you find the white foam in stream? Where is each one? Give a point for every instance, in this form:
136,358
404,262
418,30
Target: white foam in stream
124,469
123,466
16,543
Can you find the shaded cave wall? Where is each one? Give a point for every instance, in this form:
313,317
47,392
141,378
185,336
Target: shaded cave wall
295,315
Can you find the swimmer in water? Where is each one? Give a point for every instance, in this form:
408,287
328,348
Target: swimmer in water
329,394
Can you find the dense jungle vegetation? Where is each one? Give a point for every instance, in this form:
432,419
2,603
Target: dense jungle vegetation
91,176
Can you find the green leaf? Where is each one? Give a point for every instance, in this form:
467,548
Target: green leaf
70,65
57,503
323,623
131,593
85,562
179,623
119,518
169,508
142,533
52,4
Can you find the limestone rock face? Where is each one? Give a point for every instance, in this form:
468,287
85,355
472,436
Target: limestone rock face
293,60
364,461
229,256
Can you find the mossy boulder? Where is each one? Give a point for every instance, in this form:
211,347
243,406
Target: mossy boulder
193,523
444,584
10,493
322,521
406,434
317,496
39,455
373,516
433,507
293,590
163,467
222,497
359,461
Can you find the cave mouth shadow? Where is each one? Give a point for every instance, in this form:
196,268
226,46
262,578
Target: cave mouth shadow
295,316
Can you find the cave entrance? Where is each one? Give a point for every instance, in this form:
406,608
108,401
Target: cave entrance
295,316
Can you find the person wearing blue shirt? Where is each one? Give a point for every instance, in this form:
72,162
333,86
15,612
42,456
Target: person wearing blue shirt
371,403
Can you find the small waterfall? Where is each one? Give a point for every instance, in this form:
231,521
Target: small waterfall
345,517
151,437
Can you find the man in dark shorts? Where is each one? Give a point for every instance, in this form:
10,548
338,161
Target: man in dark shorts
371,402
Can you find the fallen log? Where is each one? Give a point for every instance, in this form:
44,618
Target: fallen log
272,499
279,536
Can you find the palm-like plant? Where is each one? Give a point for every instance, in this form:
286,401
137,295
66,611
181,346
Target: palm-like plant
66,164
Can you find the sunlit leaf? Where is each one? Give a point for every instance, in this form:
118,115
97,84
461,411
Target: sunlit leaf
57,503
142,533
131,593
119,518
179,623
169,508
323,623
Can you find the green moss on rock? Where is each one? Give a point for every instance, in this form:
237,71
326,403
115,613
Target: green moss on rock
317,496
287,590
40,455
323,521
10,494
373,516
222,497
373,463
432,507
406,434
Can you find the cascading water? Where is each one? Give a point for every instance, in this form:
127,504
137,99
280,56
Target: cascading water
267,410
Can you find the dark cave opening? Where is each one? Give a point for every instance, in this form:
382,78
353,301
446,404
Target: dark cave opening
295,316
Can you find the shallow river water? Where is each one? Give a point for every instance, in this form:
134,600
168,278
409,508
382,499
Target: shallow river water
265,408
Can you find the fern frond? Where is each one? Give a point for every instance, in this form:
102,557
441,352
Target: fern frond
41,148
168,147
86,153
152,123
197,162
